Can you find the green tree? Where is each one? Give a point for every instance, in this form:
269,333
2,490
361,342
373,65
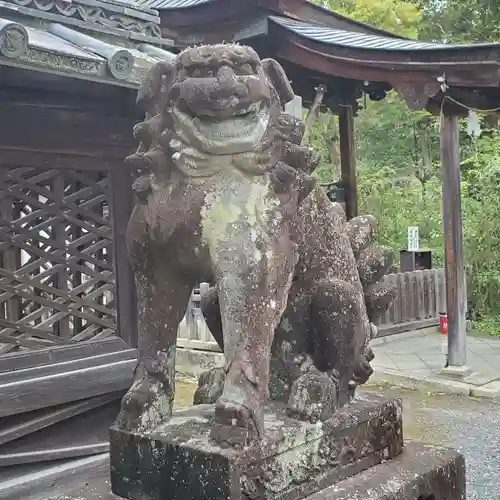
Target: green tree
397,16
460,21
398,151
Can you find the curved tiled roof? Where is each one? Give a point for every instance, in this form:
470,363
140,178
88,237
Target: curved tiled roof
172,4
72,52
331,36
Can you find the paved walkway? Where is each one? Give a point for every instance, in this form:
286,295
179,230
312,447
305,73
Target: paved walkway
415,362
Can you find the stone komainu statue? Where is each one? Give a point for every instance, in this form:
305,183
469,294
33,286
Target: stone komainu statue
225,194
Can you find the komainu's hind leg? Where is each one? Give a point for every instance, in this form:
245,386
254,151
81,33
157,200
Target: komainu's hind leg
339,333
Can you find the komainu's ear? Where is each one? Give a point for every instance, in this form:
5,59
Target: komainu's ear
153,92
278,78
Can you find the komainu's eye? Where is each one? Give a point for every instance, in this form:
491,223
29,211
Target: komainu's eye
202,72
244,69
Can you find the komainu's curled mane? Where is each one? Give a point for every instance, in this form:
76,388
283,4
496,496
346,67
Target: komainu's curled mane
225,194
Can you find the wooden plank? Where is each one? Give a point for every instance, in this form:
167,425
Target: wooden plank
453,239
27,395
348,160
83,434
441,292
409,326
125,293
407,297
198,345
58,354
426,281
66,366
419,295
398,301
56,478
17,426
7,460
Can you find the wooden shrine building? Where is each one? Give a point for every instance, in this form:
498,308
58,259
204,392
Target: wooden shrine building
69,73
319,47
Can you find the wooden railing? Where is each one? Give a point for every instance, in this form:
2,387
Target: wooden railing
421,296
419,300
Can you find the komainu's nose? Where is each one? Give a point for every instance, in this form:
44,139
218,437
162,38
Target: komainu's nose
229,85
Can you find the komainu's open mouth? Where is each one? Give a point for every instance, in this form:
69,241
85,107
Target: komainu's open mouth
240,132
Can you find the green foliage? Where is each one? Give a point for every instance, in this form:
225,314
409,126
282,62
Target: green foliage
398,151
481,217
460,20
400,203
397,16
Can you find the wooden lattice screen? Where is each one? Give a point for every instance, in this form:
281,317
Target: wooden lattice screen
57,284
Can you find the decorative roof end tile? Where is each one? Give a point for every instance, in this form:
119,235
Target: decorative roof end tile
120,61
13,39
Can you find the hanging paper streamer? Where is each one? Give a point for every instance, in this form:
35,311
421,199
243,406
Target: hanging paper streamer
473,125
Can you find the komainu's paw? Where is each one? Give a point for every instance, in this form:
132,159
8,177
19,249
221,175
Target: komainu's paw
234,425
210,386
146,405
313,397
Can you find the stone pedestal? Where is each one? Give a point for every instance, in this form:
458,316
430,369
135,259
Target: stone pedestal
178,461
421,472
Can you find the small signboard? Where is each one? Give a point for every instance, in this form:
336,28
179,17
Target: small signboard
294,108
413,239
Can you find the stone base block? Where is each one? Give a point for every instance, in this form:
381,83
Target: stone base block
458,372
421,472
178,461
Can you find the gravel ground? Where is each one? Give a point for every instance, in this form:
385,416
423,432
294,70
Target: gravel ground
466,424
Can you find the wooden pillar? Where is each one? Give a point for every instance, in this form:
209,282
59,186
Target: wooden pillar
348,160
126,303
454,255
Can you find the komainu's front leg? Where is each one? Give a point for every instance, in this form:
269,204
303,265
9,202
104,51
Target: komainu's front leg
252,289
162,297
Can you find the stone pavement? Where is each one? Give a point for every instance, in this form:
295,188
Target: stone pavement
414,361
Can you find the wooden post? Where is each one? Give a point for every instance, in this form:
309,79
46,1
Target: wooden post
454,255
126,303
348,160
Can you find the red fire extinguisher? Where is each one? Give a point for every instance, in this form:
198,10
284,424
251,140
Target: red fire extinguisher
443,328
443,323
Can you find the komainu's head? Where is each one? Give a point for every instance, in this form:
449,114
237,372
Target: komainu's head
211,100
224,96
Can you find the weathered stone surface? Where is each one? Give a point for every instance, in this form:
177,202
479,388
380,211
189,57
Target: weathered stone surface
225,195
421,472
179,461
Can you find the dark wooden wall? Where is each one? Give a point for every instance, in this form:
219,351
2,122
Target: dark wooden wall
67,303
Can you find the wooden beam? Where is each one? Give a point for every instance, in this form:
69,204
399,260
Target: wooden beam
38,128
319,57
348,160
454,255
